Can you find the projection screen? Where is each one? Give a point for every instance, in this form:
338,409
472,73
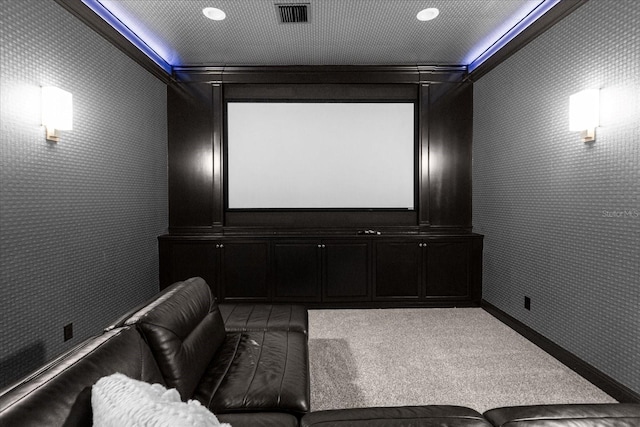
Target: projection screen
320,155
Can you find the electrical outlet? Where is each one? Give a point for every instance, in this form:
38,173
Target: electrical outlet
527,303
68,331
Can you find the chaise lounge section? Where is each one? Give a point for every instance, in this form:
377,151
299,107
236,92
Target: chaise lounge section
248,371
248,364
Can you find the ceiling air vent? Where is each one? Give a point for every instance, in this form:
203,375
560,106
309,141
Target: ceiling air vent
292,13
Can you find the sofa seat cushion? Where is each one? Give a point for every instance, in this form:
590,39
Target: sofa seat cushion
60,393
572,415
400,416
259,419
258,371
264,317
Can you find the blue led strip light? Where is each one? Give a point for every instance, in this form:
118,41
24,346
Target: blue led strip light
120,27
519,27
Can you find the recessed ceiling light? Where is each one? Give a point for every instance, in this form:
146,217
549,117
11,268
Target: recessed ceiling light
214,13
427,14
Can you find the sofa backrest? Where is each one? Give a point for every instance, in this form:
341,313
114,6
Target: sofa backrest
184,329
59,394
122,319
243,317
569,415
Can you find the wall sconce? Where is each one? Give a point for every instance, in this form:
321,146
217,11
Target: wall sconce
57,111
584,113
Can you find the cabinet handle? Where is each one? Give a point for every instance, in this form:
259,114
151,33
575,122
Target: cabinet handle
220,246
321,246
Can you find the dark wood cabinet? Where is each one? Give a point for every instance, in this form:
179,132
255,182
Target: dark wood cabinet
448,269
235,270
398,271
296,271
357,271
346,270
321,270
244,270
182,259
430,270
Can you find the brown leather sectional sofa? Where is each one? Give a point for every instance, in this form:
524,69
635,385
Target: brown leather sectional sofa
248,364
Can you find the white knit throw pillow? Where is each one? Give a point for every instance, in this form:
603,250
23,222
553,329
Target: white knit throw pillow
120,401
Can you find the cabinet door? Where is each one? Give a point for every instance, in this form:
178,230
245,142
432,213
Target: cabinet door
346,270
448,269
181,260
244,270
398,269
296,270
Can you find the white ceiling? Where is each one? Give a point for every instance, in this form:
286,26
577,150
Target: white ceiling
340,32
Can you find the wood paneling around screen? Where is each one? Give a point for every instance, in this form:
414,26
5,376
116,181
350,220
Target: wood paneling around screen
190,132
196,150
450,134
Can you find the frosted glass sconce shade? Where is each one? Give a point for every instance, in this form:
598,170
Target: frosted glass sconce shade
57,111
584,113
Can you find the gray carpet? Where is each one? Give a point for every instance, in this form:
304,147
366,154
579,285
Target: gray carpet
458,356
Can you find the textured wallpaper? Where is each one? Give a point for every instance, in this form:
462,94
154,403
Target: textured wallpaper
561,217
78,219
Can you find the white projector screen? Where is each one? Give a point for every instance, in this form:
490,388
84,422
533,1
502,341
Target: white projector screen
332,155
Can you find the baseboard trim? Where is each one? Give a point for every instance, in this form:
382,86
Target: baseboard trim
598,378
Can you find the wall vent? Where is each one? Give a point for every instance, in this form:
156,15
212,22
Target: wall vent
292,13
